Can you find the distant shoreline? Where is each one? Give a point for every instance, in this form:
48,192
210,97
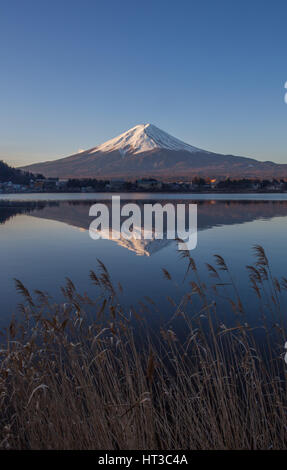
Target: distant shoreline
114,191
14,199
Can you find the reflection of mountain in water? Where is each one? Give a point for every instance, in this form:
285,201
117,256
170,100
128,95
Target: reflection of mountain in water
144,247
210,214
140,246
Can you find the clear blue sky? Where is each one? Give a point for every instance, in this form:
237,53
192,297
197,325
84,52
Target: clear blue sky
76,73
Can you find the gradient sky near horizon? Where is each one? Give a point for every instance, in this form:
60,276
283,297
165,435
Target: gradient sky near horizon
77,73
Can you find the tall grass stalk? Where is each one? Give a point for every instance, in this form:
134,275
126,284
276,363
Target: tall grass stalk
67,382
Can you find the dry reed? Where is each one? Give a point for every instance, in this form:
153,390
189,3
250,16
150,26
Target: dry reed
67,382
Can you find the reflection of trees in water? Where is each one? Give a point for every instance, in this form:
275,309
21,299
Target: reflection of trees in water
210,213
7,213
10,209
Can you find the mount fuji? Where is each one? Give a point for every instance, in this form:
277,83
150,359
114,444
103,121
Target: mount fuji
146,151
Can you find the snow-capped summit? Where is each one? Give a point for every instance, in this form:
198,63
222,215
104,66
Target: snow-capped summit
145,151
143,138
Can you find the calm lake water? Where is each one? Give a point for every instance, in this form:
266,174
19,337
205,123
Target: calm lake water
44,239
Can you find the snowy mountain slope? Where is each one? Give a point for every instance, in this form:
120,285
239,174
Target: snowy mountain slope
146,151
144,138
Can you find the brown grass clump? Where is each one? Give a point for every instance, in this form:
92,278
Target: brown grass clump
67,382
